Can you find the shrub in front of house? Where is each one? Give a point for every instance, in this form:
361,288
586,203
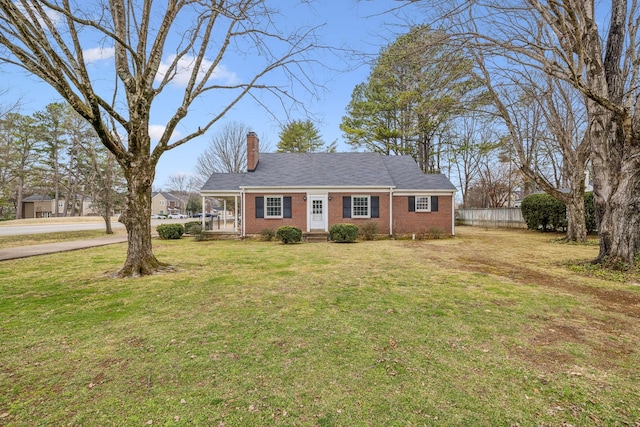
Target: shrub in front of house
435,233
288,234
543,212
193,227
343,233
267,234
368,230
170,231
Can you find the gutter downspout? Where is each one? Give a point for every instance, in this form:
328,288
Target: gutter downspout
390,211
453,213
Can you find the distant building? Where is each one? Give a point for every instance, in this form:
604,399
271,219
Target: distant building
163,203
43,206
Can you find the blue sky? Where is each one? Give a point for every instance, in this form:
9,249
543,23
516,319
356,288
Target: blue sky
361,26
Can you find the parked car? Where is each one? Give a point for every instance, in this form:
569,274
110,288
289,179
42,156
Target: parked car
207,215
176,216
155,216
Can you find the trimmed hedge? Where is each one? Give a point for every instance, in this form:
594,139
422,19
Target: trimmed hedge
543,212
343,233
170,231
288,234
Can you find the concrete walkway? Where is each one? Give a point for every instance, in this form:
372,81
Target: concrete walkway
50,248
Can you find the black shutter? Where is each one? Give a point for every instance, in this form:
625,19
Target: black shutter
412,203
434,203
346,206
375,207
286,207
259,207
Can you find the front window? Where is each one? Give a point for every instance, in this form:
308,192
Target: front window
273,206
423,204
360,207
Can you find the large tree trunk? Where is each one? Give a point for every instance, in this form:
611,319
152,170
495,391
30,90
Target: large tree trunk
615,142
108,209
574,200
136,218
19,207
108,229
617,203
576,222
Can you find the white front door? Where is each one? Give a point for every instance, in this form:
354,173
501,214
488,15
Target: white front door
317,212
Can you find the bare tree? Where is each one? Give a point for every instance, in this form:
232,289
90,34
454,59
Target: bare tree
150,49
184,187
182,183
494,186
226,152
472,141
539,112
568,40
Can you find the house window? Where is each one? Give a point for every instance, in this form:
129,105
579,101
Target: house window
273,207
162,202
423,204
360,207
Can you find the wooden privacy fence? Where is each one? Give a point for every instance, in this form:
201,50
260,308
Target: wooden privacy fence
491,217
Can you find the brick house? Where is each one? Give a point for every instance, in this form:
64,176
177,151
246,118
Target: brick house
313,191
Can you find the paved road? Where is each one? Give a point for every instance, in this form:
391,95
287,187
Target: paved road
18,228
48,248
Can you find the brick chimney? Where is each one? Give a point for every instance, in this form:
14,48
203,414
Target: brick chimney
253,151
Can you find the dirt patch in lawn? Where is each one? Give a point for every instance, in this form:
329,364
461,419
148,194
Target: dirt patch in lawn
606,331
623,302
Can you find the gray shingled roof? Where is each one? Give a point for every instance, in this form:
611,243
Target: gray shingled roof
331,170
166,195
37,198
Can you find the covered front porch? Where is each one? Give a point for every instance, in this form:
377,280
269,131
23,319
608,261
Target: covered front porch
228,224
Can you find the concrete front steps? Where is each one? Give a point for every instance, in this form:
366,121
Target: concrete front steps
315,236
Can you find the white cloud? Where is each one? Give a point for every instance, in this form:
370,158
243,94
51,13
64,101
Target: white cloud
185,66
98,53
52,15
156,131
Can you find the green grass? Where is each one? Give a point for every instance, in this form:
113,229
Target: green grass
489,328
41,238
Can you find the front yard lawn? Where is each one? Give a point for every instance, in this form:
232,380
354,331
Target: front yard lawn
489,328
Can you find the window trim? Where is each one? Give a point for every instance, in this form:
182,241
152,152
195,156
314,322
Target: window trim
266,207
423,197
353,205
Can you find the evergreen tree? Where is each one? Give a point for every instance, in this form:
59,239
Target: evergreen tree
299,136
416,86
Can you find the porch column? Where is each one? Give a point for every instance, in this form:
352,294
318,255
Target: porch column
235,216
204,209
224,213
